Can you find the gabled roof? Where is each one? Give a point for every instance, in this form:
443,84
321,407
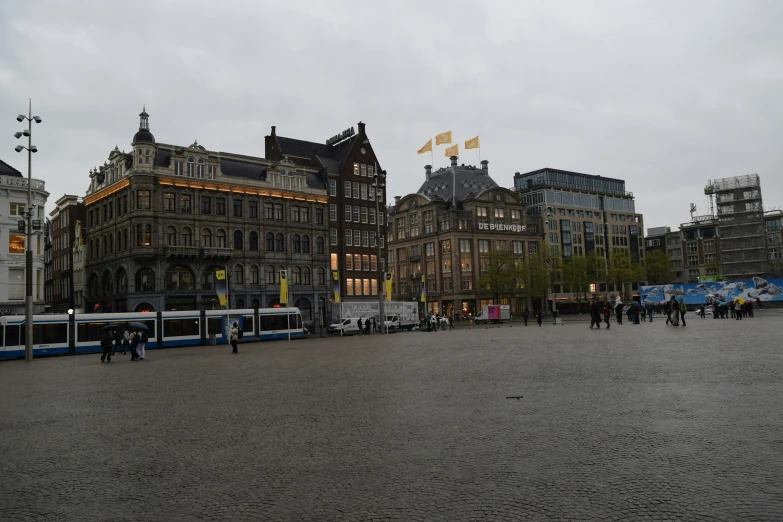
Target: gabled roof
8,170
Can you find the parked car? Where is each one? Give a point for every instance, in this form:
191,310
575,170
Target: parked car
347,325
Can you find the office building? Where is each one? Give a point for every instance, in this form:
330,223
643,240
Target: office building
63,220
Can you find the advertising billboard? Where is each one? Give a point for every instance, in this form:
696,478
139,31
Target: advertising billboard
701,293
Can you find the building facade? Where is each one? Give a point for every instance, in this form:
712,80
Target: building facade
162,219
584,213
355,214
63,219
78,257
655,239
13,203
440,239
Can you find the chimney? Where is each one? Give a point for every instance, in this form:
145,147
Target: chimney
453,161
397,200
484,168
361,129
273,130
428,171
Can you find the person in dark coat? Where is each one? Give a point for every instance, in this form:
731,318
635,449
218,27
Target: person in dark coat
106,345
359,324
539,316
608,314
525,315
367,326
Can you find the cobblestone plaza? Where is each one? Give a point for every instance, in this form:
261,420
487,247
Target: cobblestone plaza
635,422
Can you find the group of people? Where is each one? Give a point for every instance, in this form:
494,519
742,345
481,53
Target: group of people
538,314
434,322
370,324
114,341
675,311
734,309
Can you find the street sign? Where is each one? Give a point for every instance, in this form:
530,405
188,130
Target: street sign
36,224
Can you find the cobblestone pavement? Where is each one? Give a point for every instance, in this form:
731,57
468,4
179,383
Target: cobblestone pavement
635,422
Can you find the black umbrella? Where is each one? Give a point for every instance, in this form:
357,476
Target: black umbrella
140,326
109,327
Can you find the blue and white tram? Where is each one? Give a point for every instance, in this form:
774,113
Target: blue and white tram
81,333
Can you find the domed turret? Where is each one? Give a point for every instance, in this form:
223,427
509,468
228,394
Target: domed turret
144,135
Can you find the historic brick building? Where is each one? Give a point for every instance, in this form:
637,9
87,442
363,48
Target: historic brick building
67,215
351,167
442,235
162,219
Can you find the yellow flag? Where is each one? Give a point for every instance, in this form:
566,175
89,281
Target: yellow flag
283,289
452,151
388,286
472,144
444,137
426,148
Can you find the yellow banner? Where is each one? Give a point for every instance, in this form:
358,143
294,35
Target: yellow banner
335,286
443,137
423,298
426,148
472,144
283,289
221,287
452,151
388,287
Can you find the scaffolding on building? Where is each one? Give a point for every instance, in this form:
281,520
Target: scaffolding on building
743,247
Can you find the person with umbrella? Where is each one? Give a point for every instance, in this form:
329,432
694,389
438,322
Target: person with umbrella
140,339
738,302
106,341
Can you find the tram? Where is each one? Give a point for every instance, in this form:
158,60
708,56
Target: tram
57,334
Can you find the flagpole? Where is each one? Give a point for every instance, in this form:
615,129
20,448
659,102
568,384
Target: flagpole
479,147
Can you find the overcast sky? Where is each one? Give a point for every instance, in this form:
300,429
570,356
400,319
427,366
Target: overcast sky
662,94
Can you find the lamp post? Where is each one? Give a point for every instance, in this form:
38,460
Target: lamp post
28,305
377,187
550,262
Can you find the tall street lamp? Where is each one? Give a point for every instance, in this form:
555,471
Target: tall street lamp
551,263
377,187
28,305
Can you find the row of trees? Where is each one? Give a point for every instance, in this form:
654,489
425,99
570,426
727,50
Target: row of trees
502,274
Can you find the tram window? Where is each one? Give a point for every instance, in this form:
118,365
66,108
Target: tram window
89,332
213,325
273,322
12,335
180,327
298,321
247,323
50,333
2,335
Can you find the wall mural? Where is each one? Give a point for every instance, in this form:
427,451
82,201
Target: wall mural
700,293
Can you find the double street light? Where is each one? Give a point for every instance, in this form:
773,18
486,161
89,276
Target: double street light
377,188
31,149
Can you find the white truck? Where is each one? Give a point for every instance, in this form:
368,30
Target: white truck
400,315
494,314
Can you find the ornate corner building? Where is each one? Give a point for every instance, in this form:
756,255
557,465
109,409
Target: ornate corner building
440,237
161,219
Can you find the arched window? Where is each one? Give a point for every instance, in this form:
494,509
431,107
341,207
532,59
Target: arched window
255,303
280,243
253,274
321,276
206,238
270,275
297,244
254,240
93,285
208,277
108,287
240,303
319,245
179,278
145,307
238,240
297,275
200,169
187,237
220,238
305,244
92,249
122,281
191,167
145,280
306,279
105,245
119,241
270,242
304,308
125,239
171,236
239,274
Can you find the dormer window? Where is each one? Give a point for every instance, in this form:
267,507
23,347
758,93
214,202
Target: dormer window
200,169
178,167
211,172
191,167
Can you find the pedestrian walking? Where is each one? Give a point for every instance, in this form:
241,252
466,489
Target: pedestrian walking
141,344
451,322
234,338
650,311
359,325
683,309
607,313
116,342
674,306
668,311
433,323
125,341
525,315
539,316
595,316
618,310
133,342
644,314
367,326
106,344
